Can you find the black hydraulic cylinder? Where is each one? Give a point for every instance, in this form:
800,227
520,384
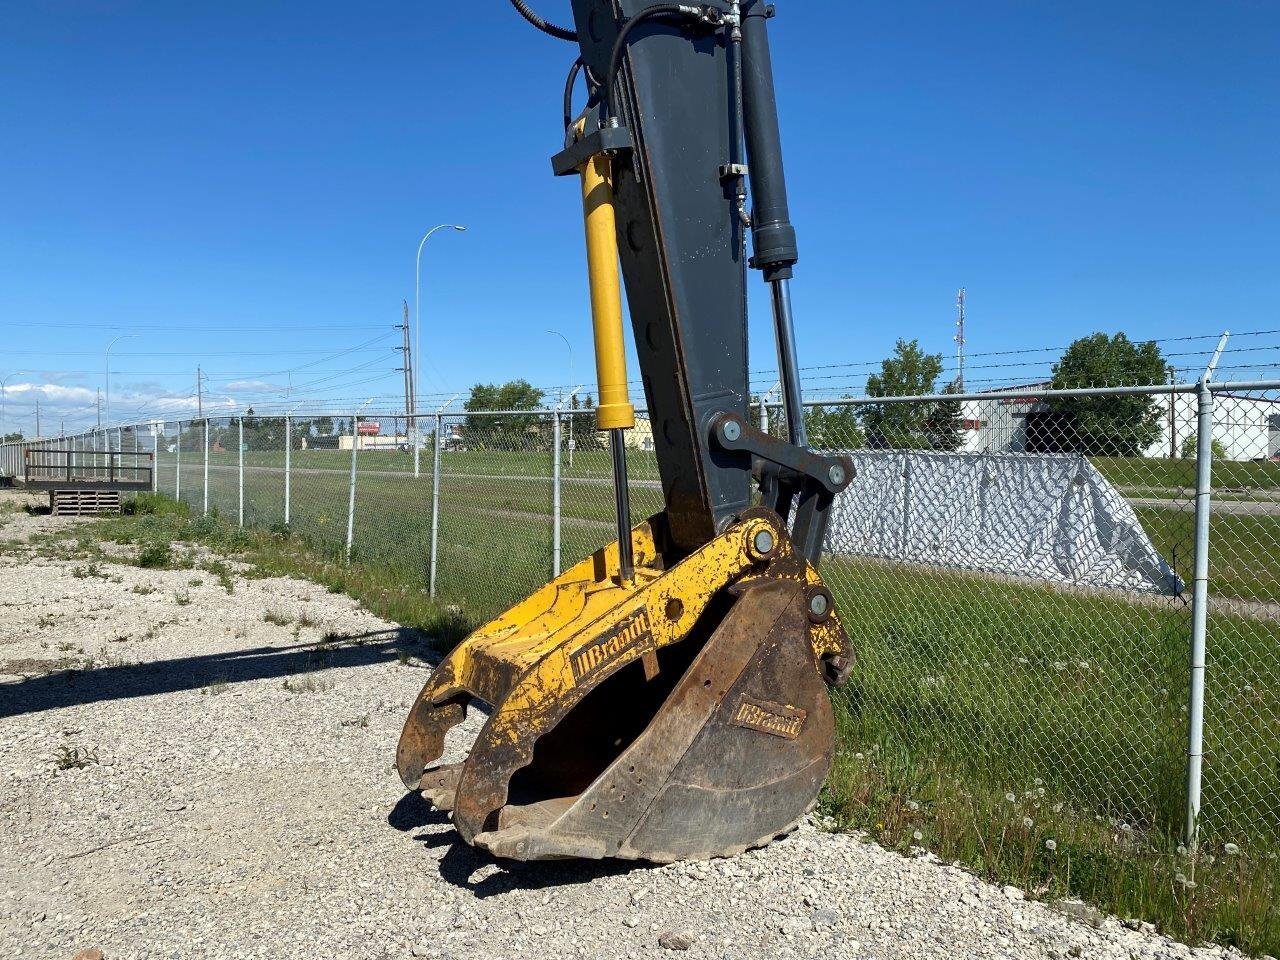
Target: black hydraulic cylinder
774,238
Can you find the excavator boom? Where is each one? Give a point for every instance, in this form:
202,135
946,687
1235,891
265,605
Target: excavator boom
666,697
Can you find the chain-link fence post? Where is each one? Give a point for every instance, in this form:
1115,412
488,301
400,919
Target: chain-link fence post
435,499
288,466
240,425
417,448
177,466
1199,604
155,457
555,495
206,466
351,496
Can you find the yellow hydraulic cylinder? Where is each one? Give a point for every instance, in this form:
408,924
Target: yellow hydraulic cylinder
615,411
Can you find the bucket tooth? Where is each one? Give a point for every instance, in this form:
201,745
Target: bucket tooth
439,785
682,714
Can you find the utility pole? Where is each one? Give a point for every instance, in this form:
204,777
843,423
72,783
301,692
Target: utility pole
37,418
99,408
407,350
960,339
199,394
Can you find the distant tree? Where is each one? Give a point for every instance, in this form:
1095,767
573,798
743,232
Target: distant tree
508,431
944,424
1115,425
586,436
260,433
324,426
1190,448
14,437
833,428
909,372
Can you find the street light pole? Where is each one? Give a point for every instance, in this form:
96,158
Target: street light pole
106,369
569,346
417,332
4,392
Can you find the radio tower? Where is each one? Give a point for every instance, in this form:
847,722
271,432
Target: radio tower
960,339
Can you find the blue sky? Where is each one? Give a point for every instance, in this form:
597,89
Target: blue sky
242,185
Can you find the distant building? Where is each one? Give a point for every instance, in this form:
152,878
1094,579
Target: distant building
1245,427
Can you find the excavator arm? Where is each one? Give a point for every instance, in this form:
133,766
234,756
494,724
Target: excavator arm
666,697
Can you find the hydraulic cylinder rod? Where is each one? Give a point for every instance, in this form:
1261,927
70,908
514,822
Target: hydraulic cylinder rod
773,236
614,412
788,366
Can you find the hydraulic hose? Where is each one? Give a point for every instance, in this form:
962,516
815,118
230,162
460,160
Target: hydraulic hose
568,92
620,45
560,33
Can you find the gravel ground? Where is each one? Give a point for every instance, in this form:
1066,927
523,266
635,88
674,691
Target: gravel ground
237,800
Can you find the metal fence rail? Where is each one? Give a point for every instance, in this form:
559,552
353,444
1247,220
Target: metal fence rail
1077,586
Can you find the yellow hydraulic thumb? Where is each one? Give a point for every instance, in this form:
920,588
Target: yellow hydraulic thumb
615,411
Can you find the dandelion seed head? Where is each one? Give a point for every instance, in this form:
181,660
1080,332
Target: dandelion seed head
1038,782
1182,850
912,805
1040,791
1028,822
1230,849
917,835
1051,844
1010,798
1057,808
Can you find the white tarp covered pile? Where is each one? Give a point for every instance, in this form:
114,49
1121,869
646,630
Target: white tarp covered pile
1049,517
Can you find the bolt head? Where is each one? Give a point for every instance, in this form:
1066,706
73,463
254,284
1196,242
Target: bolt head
731,430
764,542
819,604
836,473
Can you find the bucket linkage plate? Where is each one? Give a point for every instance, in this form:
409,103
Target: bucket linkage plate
682,715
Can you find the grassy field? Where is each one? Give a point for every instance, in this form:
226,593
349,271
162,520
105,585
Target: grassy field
496,516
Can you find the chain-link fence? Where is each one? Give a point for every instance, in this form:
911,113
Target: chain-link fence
1064,585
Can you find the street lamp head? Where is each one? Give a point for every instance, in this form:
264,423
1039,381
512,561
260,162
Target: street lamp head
460,228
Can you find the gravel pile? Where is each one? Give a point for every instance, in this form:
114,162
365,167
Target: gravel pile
216,784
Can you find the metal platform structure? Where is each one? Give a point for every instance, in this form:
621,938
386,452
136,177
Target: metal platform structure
83,482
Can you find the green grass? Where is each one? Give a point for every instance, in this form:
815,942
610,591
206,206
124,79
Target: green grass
1166,473
968,690
392,591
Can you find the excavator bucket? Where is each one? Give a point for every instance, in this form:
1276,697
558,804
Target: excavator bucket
680,715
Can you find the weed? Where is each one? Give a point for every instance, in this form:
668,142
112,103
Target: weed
306,620
216,686
71,757
307,683
277,617
154,504
195,582
46,620
182,598
222,571
143,589
361,721
156,555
